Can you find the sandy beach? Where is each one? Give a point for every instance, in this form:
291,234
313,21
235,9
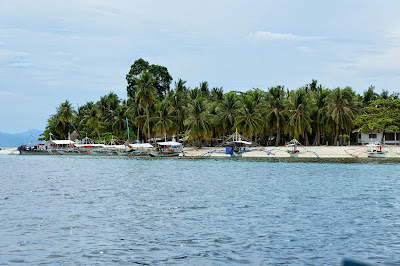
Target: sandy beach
271,152
306,152
9,151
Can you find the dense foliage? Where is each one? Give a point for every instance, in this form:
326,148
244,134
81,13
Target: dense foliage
202,116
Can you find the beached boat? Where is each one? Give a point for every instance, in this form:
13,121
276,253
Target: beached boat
236,145
166,149
137,149
375,150
292,145
40,149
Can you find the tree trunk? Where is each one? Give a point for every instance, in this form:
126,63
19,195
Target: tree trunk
318,138
383,136
306,139
278,136
335,142
199,143
138,138
323,136
148,122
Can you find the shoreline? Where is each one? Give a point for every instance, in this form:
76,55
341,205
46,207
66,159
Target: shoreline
277,152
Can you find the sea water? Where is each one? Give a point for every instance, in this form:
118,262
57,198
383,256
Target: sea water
113,210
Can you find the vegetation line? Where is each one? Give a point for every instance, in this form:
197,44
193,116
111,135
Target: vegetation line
313,114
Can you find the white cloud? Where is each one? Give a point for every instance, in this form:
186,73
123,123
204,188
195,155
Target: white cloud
7,93
271,36
19,64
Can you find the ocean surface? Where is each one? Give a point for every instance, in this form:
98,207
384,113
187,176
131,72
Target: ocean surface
113,210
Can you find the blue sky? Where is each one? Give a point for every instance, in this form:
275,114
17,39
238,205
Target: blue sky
51,51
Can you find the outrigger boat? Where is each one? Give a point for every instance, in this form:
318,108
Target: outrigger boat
292,145
166,149
294,151
236,145
375,150
136,149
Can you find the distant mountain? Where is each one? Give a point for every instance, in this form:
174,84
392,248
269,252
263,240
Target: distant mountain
16,140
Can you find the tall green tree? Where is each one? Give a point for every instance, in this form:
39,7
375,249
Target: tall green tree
145,91
249,118
164,124
341,110
226,112
162,78
381,115
198,121
275,114
300,106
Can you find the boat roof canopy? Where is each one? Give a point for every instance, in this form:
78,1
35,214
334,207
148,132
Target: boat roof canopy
141,145
243,142
61,142
89,145
169,143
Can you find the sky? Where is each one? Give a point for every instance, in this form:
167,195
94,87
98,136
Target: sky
80,50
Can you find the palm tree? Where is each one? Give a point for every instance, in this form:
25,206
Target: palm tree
177,102
92,120
118,121
275,114
180,85
64,118
226,112
164,120
205,92
197,122
248,119
145,93
341,108
217,93
300,106
319,113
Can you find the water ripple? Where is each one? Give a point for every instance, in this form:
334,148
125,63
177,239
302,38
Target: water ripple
77,210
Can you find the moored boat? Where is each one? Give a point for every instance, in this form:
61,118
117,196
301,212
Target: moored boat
375,150
166,149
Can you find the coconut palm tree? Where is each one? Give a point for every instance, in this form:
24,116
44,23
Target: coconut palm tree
92,121
145,94
198,121
318,114
205,91
341,109
275,112
177,103
64,118
217,93
118,120
226,112
180,85
300,106
249,118
163,119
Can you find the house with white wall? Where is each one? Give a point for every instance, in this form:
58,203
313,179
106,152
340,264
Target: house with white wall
391,138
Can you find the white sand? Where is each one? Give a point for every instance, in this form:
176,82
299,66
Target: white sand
9,151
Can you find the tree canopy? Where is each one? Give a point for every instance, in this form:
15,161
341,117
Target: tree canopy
312,113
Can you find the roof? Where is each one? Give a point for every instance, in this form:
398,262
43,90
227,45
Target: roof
141,145
89,145
169,143
242,141
61,142
115,146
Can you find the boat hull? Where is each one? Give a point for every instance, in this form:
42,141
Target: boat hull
35,152
376,155
162,154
